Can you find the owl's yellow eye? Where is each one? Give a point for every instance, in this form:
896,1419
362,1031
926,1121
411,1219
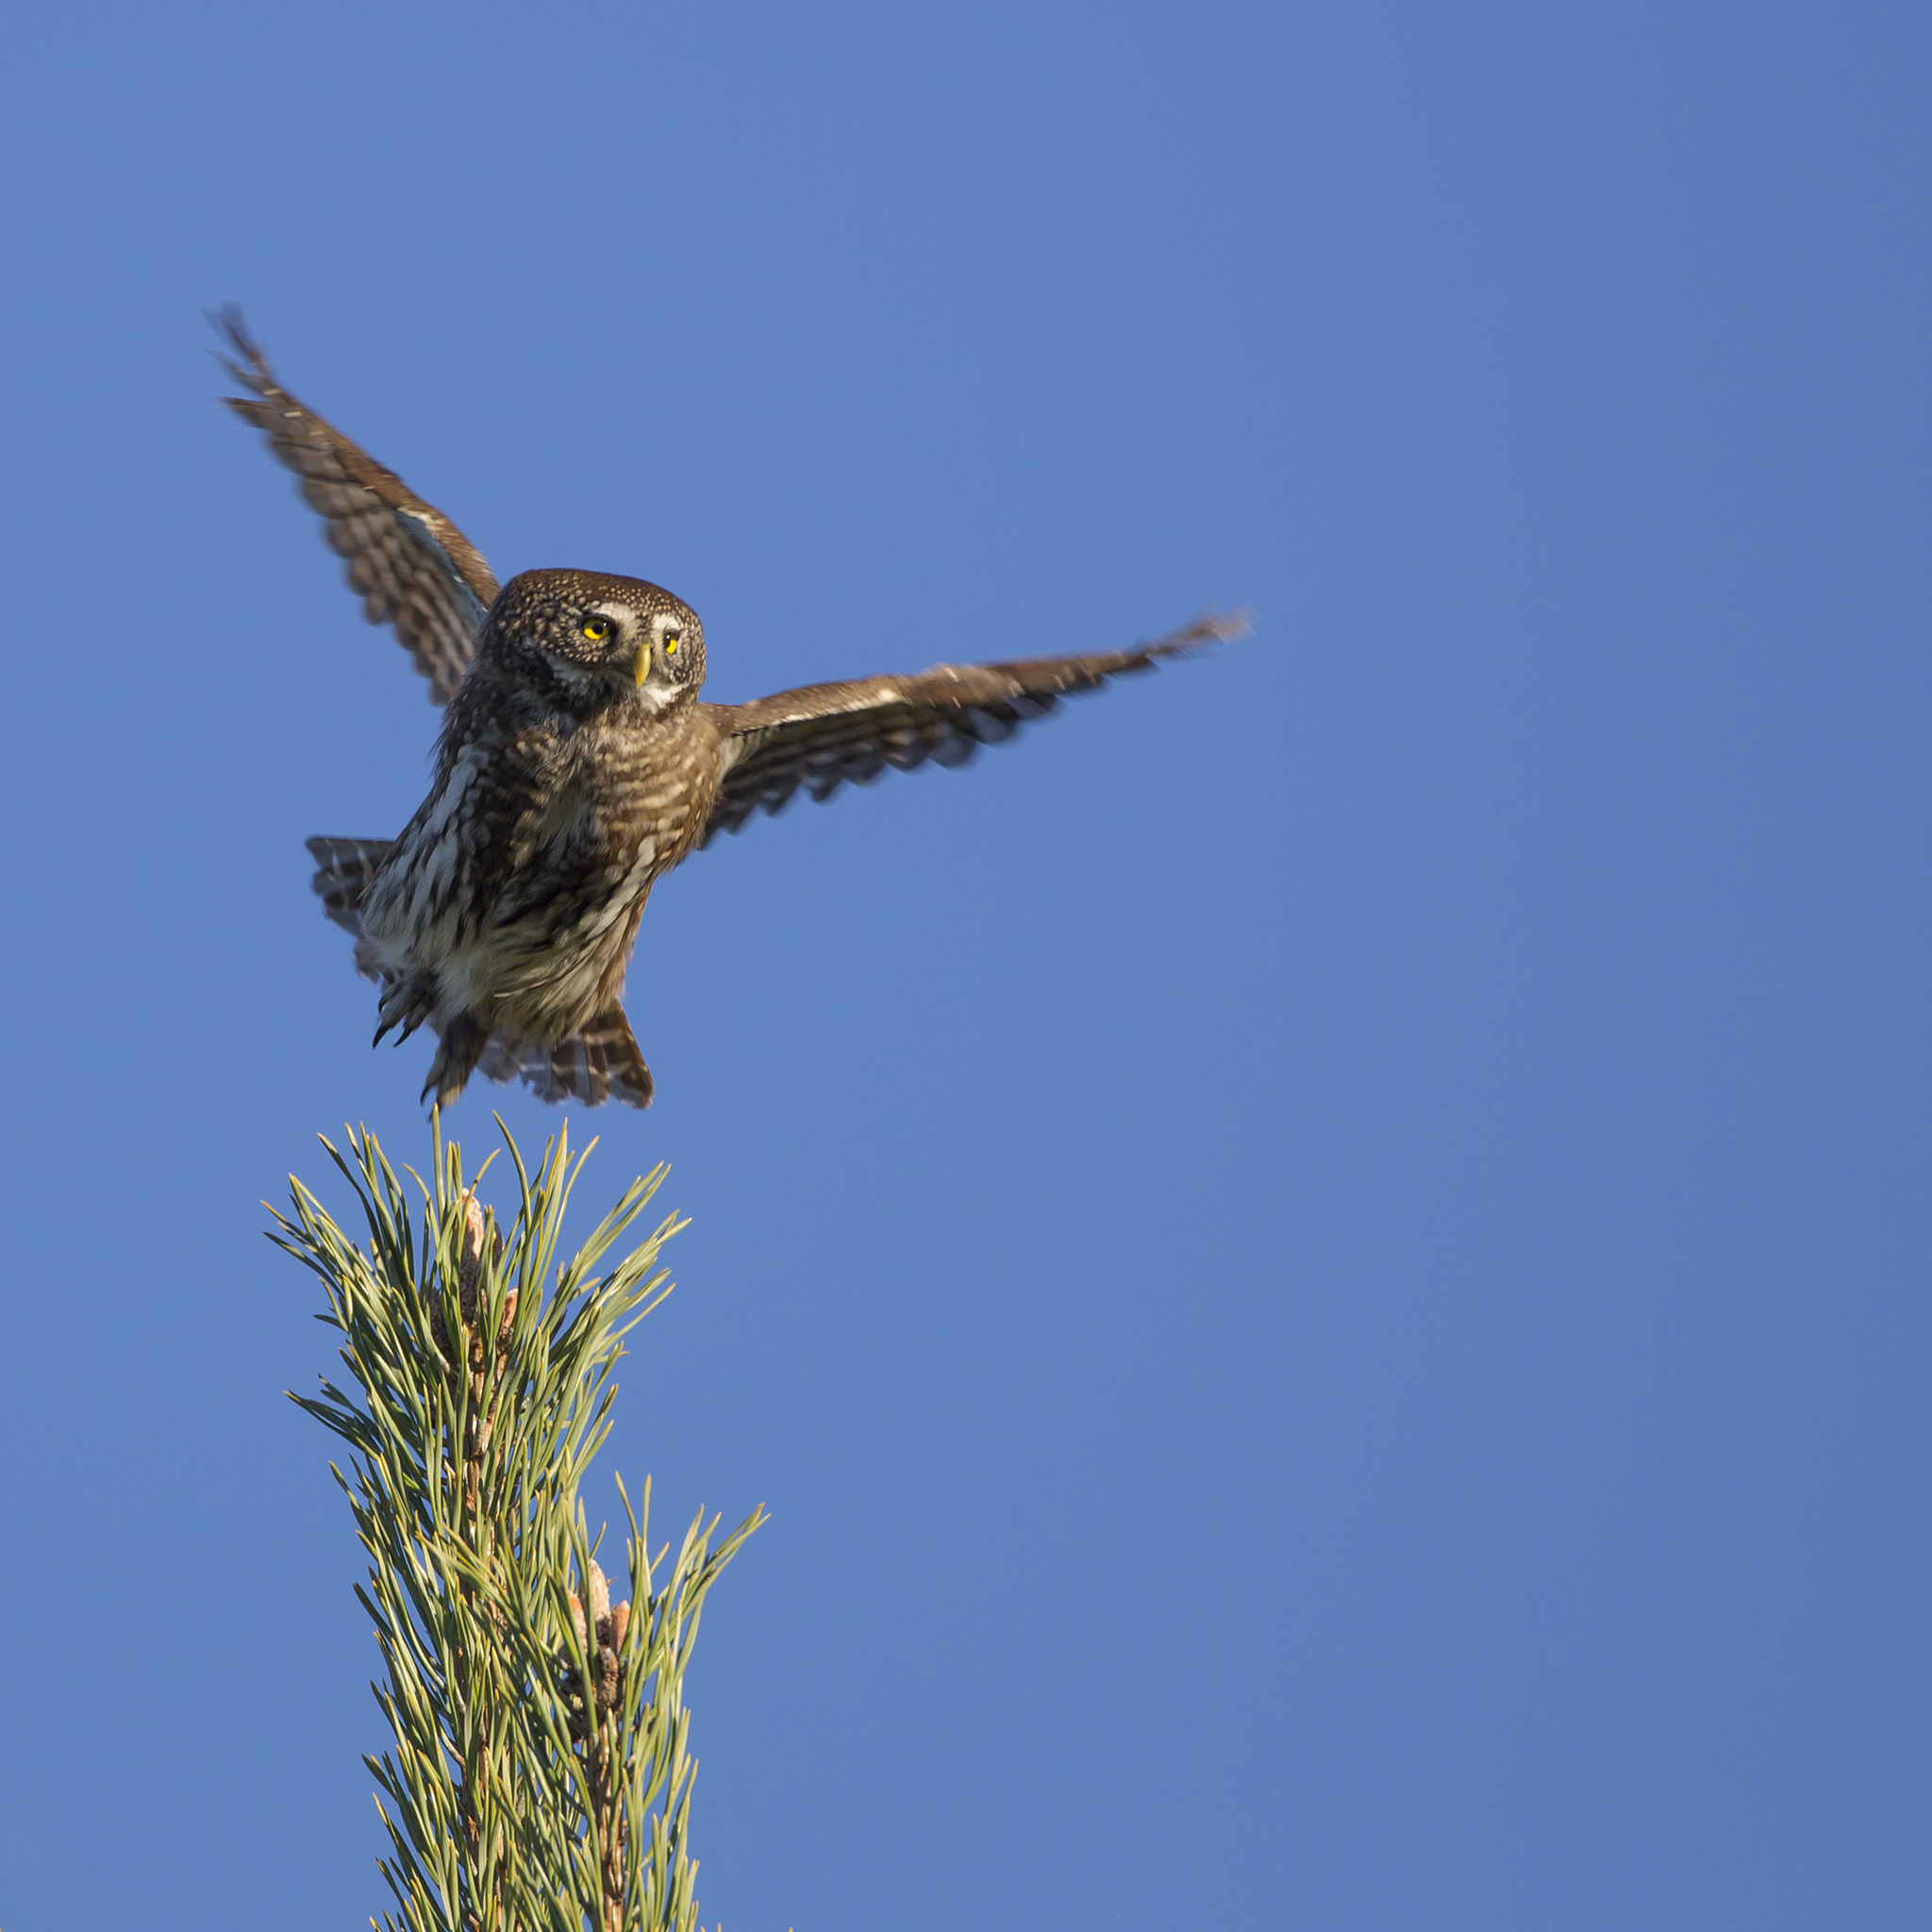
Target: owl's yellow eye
596,628
671,643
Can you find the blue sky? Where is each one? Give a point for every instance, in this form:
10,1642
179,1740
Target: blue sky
1322,1265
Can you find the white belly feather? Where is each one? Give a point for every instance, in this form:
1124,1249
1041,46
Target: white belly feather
542,977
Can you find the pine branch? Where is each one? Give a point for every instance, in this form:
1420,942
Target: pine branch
540,1775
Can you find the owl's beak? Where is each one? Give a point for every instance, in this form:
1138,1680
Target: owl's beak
643,663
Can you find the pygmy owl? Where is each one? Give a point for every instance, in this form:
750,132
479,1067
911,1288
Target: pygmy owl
578,764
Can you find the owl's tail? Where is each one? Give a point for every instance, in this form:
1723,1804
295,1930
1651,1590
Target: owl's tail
600,1063
344,868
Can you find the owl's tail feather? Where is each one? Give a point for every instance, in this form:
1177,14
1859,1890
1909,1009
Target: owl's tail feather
344,868
600,1063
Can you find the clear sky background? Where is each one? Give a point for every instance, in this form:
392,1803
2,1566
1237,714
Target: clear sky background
1323,1264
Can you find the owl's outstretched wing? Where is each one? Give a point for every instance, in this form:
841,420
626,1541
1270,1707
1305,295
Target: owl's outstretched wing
828,734
407,563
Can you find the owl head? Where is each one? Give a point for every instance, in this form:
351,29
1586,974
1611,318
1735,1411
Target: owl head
599,641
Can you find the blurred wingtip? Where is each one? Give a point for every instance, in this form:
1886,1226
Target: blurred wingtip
242,356
1211,627
1230,627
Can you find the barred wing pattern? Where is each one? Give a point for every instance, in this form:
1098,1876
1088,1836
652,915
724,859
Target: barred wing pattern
409,563
828,734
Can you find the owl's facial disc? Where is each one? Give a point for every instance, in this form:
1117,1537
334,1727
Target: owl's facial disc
633,646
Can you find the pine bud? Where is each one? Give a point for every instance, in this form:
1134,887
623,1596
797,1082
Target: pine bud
471,1260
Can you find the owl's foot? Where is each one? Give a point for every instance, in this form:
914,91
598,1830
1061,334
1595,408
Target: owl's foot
463,1041
406,1003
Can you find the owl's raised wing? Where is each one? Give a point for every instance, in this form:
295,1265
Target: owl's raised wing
827,734
409,563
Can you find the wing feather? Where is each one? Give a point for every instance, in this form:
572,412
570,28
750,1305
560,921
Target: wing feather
826,735
411,567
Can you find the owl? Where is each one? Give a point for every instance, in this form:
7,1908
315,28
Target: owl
578,763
